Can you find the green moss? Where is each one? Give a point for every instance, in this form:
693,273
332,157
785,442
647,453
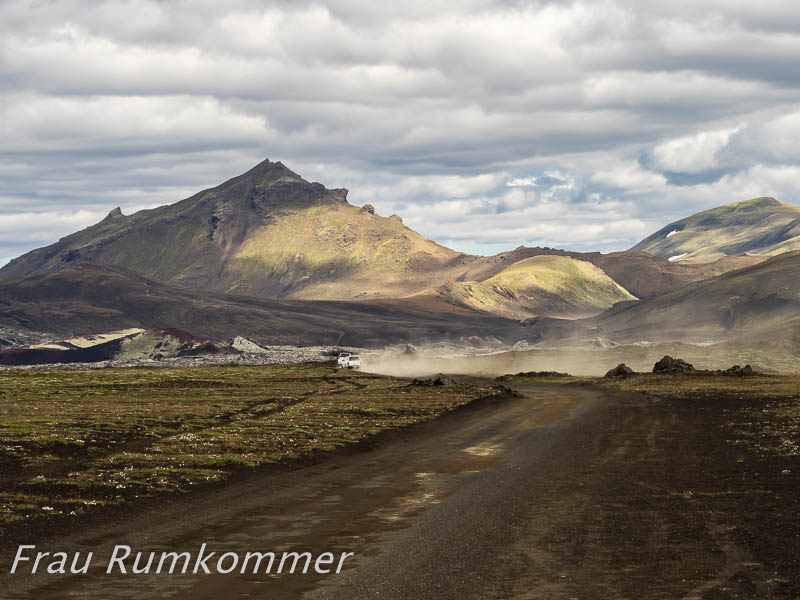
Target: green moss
542,285
231,461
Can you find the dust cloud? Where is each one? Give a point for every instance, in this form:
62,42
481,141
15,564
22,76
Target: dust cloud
427,361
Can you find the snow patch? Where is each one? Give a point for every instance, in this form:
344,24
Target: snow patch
673,232
677,257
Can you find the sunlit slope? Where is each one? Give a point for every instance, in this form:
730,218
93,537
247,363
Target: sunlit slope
338,251
758,226
555,286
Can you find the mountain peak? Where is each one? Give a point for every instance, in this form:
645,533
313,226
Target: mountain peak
267,170
266,232
760,203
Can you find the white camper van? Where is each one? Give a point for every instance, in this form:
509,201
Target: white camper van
343,356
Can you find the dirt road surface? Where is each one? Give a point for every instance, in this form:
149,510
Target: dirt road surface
564,493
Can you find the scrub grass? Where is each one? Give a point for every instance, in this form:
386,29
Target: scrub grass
74,440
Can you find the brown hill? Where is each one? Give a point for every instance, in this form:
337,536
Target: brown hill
641,273
757,305
86,299
744,302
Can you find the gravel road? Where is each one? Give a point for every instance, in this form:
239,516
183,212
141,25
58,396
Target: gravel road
563,493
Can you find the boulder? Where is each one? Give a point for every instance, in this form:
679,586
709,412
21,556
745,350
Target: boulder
621,370
672,365
737,371
242,344
438,380
504,389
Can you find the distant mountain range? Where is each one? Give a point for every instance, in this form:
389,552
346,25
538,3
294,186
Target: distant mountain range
755,305
289,261
270,233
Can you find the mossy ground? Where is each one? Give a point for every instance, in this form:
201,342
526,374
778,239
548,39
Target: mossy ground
73,440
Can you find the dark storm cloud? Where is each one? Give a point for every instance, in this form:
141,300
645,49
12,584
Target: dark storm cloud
486,123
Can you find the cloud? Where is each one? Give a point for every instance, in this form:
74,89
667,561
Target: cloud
693,153
485,123
630,176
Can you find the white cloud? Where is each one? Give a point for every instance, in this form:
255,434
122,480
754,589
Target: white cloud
522,182
631,177
694,153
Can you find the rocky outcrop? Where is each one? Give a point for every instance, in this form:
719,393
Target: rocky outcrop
224,213
438,380
672,365
738,371
242,344
621,370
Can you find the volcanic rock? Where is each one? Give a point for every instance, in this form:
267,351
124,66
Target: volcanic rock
737,371
621,370
672,365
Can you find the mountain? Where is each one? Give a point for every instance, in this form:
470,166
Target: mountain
85,299
270,233
544,285
759,226
761,301
266,233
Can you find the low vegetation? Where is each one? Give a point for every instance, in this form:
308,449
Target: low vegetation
71,441
763,411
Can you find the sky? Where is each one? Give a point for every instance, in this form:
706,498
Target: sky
484,124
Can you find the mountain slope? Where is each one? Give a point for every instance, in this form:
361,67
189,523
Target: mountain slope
266,233
642,274
759,226
87,299
751,302
555,286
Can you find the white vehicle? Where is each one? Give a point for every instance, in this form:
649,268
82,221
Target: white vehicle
343,356
352,362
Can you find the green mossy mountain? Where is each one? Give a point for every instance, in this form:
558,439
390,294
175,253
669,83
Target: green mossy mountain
266,233
761,226
545,285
